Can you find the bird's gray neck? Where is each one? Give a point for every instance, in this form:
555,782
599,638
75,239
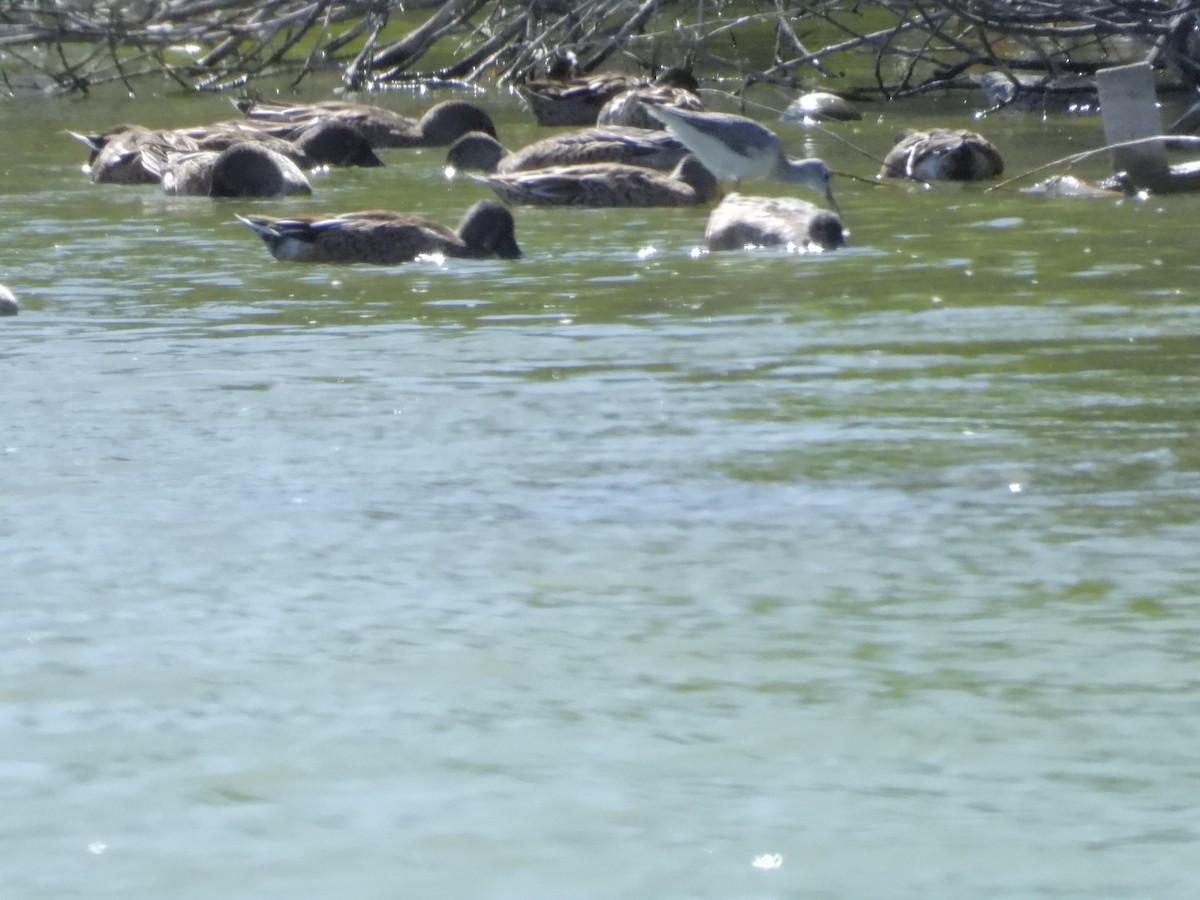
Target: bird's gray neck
795,171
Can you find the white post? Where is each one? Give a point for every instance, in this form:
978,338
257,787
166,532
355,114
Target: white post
1129,108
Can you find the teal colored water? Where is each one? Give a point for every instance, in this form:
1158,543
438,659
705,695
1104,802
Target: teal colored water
619,571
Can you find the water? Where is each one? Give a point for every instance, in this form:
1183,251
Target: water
615,572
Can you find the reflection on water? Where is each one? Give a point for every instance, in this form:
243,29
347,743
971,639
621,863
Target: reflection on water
604,573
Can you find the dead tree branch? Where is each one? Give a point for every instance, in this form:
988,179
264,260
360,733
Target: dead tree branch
890,47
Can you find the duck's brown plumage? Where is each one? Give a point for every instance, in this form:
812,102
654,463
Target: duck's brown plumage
133,154
609,144
218,136
578,101
381,236
246,169
118,156
440,126
626,107
327,142
336,143
942,154
607,185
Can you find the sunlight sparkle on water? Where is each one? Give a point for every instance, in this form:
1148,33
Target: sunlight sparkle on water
1003,222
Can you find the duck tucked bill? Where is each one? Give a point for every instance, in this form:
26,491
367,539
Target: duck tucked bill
607,185
381,236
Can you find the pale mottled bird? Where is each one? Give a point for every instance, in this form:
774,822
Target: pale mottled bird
1068,186
741,221
820,106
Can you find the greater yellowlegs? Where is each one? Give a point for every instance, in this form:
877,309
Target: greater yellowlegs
739,148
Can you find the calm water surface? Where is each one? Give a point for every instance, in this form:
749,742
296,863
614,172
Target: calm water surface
619,571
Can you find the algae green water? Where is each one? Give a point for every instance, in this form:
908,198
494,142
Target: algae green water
619,571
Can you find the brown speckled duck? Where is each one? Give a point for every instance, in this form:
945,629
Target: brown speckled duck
942,154
626,108
117,155
379,236
607,185
578,101
741,221
246,169
440,126
133,154
329,142
612,144
334,142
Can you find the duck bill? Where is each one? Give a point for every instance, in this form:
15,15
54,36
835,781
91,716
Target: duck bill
829,197
509,249
94,143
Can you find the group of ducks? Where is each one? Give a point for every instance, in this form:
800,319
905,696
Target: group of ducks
642,144
682,162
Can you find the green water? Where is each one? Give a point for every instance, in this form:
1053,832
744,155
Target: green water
607,572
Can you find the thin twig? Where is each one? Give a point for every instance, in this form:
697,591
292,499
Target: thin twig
1085,154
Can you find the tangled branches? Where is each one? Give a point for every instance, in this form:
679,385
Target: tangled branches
889,47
